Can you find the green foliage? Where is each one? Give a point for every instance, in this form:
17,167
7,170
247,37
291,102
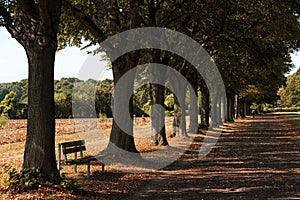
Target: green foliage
67,183
21,181
30,179
147,107
102,117
63,104
285,109
9,104
103,95
14,103
265,107
3,119
290,95
254,106
250,41
169,113
169,103
13,99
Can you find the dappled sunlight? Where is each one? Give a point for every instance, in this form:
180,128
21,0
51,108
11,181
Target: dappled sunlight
254,158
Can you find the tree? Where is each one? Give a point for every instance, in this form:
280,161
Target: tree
103,97
34,24
290,95
115,17
248,46
8,106
242,37
63,104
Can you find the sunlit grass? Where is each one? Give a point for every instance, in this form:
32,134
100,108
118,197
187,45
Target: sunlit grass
292,118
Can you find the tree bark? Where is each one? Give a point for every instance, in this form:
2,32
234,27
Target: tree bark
179,124
230,108
193,111
38,35
205,108
118,137
157,96
40,138
158,135
240,107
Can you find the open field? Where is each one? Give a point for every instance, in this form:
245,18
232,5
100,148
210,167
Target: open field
110,185
13,135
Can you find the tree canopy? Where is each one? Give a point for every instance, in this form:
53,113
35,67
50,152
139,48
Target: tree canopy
290,94
250,42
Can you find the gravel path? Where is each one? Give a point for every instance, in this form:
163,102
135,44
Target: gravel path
256,158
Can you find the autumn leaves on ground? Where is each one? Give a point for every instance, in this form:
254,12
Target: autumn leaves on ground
254,158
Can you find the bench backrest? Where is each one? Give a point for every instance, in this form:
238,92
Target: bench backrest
73,147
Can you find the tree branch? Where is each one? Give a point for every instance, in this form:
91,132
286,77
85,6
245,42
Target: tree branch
85,20
8,22
29,8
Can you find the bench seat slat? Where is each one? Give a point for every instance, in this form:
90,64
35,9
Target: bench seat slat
83,160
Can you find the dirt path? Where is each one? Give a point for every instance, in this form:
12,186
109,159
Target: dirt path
254,159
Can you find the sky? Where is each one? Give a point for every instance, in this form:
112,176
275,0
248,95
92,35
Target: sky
69,62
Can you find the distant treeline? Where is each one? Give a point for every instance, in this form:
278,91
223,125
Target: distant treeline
69,92
290,93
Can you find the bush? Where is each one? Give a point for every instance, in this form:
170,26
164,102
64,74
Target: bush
169,113
3,119
285,109
24,180
30,179
67,183
102,117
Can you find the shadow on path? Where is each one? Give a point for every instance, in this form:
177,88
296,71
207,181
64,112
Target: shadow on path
255,158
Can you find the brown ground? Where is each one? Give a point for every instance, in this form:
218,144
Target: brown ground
254,159
15,130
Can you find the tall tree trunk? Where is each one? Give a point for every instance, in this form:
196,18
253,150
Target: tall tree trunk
39,28
240,107
248,111
182,127
243,107
220,111
179,123
204,106
121,138
193,111
176,118
223,110
124,139
40,138
158,135
230,108
157,96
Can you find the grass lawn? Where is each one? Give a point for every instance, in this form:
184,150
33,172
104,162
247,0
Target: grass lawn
292,118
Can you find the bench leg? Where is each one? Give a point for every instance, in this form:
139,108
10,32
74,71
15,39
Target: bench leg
88,169
75,168
58,155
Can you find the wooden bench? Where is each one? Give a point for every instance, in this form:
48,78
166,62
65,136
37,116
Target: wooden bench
76,147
